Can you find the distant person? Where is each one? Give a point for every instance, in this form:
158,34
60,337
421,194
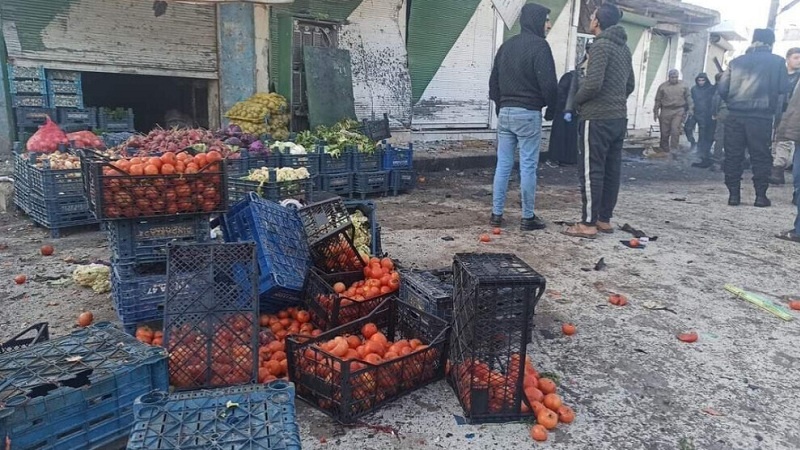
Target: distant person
720,111
703,100
673,105
564,135
782,151
753,87
789,130
602,101
523,81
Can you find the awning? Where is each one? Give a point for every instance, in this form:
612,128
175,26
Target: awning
689,18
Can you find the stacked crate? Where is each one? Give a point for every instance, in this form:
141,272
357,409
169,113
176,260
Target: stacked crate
493,303
336,173
273,189
64,89
369,178
115,120
398,161
28,88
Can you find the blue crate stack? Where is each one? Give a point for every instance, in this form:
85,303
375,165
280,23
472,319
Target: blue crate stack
92,378
336,172
28,88
264,419
64,89
399,162
114,120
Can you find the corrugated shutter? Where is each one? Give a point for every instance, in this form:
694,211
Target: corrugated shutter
450,48
118,36
659,45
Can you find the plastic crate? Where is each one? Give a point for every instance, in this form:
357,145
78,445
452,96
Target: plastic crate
368,162
63,75
115,139
30,101
329,310
264,419
32,117
240,189
245,161
56,100
114,120
336,252
330,164
52,183
211,319
367,183
21,72
27,87
402,181
339,184
138,292
39,332
377,130
397,157
77,391
310,161
349,389
322,218
59,212
283,254
115,195
76,116
370,211
145,240
428,291
21,177
494,298
68,87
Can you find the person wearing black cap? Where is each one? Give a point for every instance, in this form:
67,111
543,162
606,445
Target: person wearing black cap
602,105
754,88
703,99
523,81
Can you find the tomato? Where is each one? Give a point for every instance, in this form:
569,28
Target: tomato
485,238
47,250
20,279
539,433
795,305
85,319
497,231
688,337
568,329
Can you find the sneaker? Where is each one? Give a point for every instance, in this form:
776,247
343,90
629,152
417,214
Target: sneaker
496,220
532,224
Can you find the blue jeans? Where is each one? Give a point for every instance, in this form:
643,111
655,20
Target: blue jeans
796,176
524,127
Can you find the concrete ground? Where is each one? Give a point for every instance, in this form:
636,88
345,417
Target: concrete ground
633,384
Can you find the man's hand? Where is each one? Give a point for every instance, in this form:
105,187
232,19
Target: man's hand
568,117
656,116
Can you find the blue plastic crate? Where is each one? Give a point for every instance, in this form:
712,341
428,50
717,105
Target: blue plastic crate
31,117
109,119
310,161
264,419
59,212
369,210
27,87
138,292
282,249
56,100
402,181
368,162
329,164
77,391
429,291
368,183
339,184
145,240
115,139
397,157
21,72
77,116
240,166
68,87
51,182
239,189
63,75
30,101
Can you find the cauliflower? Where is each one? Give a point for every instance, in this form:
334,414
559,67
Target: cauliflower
363,234
94,276
288,148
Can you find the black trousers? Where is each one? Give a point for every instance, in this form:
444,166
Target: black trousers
600,167
706,138
688,129
753,136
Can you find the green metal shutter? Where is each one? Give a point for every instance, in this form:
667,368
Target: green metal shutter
658,48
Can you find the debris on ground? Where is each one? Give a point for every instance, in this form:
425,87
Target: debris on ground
94,276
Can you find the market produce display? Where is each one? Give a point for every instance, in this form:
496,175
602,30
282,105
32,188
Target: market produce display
267,175
174,140
288,148
362,235
337,138
262,114
237,140
58,161
85,139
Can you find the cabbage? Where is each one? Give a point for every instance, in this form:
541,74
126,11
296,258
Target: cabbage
233,141
233,130
257,147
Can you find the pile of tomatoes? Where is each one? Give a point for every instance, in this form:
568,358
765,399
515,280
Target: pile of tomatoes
272,340
337,255
379,368
540,393
147,335
168,184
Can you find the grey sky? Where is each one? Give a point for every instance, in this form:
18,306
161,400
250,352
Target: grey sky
754,15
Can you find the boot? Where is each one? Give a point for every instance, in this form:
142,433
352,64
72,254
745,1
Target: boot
496,221
704,164
777,176
761,198
735,198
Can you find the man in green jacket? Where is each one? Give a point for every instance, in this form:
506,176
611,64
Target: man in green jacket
603,108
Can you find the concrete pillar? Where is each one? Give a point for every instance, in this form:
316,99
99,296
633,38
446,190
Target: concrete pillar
237,53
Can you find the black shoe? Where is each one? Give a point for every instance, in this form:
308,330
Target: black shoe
735,199
762,201
532,224
777,176
704,164
794,199
496,221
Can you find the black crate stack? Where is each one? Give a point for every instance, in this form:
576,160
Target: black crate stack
493,302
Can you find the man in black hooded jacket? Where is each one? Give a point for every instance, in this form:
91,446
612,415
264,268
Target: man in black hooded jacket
522,83
703,98
753,87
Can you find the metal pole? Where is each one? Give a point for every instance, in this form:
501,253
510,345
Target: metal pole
773,13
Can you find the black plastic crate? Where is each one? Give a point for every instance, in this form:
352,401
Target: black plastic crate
336,252
329,309
145,240
31,117
330,164
39,332
52,183
349,389
402,181
370,211
211,320
77,116
115,119
428,291
60,212
322,218
368,162
275,191
377,130
310,161
397,157
368,183
494,299
339,184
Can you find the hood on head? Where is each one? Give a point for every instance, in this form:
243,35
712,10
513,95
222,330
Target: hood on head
615,34
704,76
533,17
